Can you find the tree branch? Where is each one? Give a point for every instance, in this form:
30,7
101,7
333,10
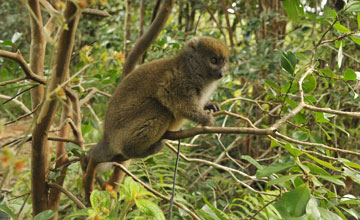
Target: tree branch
174,135
147,38
19,58
39,151
96,12
68,194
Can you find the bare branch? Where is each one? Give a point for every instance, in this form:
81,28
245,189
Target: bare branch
212,164
19,58
17,102
277,134
174,135
68,194
91,94
231,171
331,111
12,81
96,12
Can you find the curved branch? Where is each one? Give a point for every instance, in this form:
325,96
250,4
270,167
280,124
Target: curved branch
68,194
146,39
19,58
277,134
17,102
174,135
332,111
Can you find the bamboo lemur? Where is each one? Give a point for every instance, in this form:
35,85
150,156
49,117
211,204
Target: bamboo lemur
159,96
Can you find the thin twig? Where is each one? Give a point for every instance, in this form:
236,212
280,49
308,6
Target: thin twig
174,183
68,194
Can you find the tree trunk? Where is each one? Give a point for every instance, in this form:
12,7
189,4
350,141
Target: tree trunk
39,166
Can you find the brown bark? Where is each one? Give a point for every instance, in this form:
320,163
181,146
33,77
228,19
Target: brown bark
145,41
155,11
275,28
37,50
190,16
212,16
181,11
39,166
224,6
142,15
89,179
61,158
127,30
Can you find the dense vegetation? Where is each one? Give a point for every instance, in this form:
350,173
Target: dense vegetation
293,82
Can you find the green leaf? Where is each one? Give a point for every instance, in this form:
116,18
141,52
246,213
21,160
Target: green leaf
310,99
353,6
288,61
328,137
282,179
320,117
333,180
252,161
81,212
337,210
353,175
326,214
341,28
309,84
327,72
312,209
149,208
218,213
294,9
355,39
340,54
4,208
7,43
358,20
294,151
293,204
273,168
316,169
44,215
331,13
286,88
207,213
300,135
100,200
349,163
300,118
349,75
321,162
274,143
273,85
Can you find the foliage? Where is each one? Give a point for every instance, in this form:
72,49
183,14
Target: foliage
107,205
312,174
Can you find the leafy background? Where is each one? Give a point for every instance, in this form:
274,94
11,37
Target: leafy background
272,46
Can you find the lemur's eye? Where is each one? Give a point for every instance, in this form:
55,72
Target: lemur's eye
213,60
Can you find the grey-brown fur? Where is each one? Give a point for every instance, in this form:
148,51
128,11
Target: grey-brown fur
160,96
